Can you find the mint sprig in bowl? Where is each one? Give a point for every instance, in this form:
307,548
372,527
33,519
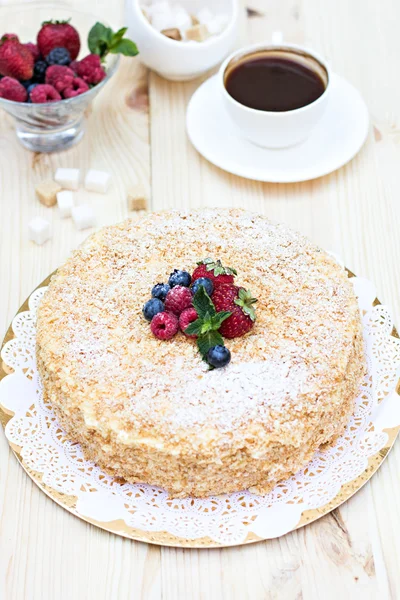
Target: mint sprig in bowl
58,125
102,40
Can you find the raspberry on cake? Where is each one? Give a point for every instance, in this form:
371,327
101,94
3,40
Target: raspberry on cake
186,317
149,411
164,325
177,299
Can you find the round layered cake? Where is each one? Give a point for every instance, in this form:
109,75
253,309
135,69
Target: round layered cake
151,411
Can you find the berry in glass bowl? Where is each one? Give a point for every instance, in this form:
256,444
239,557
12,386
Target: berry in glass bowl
59,56
58,60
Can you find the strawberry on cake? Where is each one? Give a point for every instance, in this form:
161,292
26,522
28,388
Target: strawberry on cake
201,351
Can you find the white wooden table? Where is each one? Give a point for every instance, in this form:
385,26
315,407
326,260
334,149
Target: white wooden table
354,552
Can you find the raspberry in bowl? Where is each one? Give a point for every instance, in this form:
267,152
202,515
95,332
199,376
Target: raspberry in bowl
52,65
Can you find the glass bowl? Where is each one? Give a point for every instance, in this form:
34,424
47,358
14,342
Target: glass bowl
53,126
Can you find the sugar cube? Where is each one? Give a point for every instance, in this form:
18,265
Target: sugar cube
97,181
204,15
172,34
217,24
46,192
65,201
162,6
67,178
197,33
83,216
182,19
137,198
39,230
161,21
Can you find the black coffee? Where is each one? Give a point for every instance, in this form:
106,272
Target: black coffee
273,83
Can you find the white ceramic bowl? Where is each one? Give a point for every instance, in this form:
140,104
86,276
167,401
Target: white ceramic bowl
180,61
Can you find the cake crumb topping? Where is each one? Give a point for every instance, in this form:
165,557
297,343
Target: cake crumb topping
92,331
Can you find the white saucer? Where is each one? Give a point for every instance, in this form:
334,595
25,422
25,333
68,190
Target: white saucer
335,140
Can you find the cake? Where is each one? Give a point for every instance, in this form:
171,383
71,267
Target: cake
151,411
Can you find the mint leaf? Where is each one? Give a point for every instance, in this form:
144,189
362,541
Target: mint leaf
219,318
194,328
99,39
209,340
203,303
208,323
103,40
118,35
125,47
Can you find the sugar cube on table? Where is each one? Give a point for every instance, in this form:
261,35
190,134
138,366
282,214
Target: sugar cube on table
83,216
39,230
197,33
67,178
97,181
46,191
137,198
65,201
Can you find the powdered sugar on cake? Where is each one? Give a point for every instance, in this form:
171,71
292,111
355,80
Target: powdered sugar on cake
266,374
294,368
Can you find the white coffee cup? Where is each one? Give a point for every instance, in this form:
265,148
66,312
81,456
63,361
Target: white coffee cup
273,129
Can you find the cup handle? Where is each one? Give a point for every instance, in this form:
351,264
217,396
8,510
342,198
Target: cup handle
277,38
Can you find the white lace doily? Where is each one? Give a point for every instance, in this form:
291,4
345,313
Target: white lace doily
225,519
